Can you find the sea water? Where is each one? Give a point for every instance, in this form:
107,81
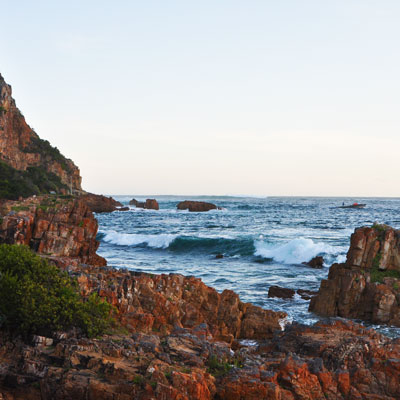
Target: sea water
264,242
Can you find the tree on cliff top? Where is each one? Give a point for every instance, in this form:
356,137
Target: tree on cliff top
37,298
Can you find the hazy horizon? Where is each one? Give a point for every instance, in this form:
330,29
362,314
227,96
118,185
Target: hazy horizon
270,98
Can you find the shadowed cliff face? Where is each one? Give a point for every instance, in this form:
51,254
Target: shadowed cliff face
367,286
21,147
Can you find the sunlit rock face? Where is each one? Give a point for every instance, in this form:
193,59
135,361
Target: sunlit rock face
54,227
21,147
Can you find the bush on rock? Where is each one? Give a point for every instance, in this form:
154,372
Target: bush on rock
37,298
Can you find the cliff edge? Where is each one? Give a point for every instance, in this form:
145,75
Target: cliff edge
21,149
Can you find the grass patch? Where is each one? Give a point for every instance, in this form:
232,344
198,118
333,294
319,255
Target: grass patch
378,275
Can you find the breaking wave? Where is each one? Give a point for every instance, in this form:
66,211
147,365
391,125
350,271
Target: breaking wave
294,252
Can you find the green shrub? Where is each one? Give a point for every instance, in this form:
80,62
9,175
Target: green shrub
37,298
35,180
218,368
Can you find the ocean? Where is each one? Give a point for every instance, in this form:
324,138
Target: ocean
263,242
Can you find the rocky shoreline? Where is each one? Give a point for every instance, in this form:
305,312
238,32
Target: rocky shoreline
179,339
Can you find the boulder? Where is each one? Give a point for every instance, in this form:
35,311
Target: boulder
316,262
196,206
283,293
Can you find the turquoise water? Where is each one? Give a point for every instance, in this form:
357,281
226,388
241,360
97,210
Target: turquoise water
263,241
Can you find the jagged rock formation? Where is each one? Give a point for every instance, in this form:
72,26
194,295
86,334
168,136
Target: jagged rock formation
21,147
330,360
52,226
367,286
161,303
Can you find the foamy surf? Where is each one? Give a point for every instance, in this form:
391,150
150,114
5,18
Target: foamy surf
161,241
294,252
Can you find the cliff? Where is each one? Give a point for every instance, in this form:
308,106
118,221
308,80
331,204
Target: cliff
23,150
58,227
367,285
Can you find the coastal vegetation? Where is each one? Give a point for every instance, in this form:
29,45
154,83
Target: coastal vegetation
37,298
45,149
35,180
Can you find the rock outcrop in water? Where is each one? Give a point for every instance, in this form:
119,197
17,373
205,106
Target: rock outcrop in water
196,206
52,226
149,204
98,203
367,285
21,148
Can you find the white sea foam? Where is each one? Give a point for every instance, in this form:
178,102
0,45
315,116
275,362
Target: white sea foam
294,252
161,241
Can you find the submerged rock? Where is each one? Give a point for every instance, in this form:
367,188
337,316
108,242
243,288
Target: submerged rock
196,206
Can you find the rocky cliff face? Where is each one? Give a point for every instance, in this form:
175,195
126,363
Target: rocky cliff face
367,286
21,147
54,227
162,303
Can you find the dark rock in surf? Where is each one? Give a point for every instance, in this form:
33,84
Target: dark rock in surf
283,293
196,206
219,256
123,209
316,262
149,204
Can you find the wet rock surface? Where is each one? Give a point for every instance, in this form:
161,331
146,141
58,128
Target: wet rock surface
316,262
283,293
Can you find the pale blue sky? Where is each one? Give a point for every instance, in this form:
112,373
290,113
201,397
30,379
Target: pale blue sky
213,97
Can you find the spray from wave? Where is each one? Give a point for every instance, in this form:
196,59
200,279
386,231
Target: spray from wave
294,252
130,239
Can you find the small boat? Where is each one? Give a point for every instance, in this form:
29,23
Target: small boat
354,205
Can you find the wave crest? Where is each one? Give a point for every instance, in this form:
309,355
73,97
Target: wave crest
294,252
131,239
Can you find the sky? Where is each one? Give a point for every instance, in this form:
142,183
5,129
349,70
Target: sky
263,98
